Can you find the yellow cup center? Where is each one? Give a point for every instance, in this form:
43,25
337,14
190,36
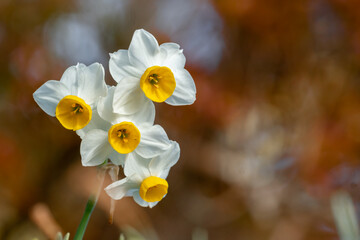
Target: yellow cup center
124,137
153,189
73,113
158,83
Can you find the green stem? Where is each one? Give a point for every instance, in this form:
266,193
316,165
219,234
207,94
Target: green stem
90,205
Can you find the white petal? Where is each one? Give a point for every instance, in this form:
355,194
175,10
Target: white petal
153,204
143,50
94,83
139,200
121,188
145,115
128,96
142,202
174,57
164,173
153,141
105,107
120,67
49,95
95,148
69,79
117,158
160,165
86,82
185,91
137,167
96,123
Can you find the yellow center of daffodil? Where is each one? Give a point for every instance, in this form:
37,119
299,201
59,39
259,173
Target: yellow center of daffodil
153,189
73,113
124,137
158,83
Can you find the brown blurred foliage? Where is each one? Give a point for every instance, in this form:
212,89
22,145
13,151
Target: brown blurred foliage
274,132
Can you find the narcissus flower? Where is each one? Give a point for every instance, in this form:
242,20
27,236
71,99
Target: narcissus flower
115,136
145,178
150,71
73,98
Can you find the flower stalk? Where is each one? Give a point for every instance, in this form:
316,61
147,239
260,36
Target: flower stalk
90,205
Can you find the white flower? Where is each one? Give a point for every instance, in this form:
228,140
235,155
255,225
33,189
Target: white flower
74,97
115,136
145,178
150,70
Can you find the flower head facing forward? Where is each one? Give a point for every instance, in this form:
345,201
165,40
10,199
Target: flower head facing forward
145,178
115,136
124,137
73,113
72,99
157,70
158,83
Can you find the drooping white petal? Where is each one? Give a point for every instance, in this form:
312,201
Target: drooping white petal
95,148
128,96
143,50
122,188
86,82
120,67
137,167
139,200
153,204
172,56
96,123
117,158
49,95
185,91
153,141
142,202
160,165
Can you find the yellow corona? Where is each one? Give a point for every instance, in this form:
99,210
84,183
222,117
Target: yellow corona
124,137
158,83
73,113
153,189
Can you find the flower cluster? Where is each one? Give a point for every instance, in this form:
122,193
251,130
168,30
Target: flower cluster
116,123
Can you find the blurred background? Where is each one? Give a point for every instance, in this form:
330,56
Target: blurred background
273,134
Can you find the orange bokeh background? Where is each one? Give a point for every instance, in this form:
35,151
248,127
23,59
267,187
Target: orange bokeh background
274,132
